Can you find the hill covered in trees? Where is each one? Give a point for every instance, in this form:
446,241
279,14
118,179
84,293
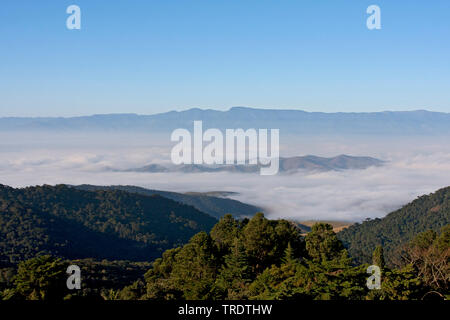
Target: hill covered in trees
178,252
215,206
267,259
104,224
246,259
428,212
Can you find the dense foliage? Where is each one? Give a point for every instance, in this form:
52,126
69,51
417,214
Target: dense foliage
429,212
45,229
73,224
44,278
263,259
249,259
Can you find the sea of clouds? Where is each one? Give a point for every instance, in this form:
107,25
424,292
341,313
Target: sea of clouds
415,166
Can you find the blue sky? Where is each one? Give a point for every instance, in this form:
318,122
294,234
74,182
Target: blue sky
160,55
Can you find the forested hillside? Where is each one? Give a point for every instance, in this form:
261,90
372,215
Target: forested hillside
177,252
72,223
428,212
247,259
212,205
269,259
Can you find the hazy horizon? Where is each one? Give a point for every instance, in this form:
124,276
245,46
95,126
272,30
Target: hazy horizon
180,110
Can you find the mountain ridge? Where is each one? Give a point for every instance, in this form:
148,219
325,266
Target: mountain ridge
286,165
427,212
103,224
215,206
289,120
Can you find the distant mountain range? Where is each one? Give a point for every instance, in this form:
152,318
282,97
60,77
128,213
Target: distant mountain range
292,164
213,203
289,121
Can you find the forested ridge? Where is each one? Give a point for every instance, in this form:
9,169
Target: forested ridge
427,212
212,205
105,224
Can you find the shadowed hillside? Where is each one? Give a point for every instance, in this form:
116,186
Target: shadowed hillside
73,223
211,204
425,213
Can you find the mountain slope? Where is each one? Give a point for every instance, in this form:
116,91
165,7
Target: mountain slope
341,162
292,164
212,205
426,212
73,223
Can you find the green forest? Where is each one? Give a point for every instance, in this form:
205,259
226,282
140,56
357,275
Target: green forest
72,223
428,212
135,247
209,203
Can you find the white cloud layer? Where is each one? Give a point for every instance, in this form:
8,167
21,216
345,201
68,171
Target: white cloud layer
416,166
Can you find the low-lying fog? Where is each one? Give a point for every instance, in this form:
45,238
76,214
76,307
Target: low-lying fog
416,166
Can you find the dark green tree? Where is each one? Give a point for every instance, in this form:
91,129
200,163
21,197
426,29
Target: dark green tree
235,275
398,284
378,257
41,278
289,255
224,233
257,239
265,241
322,243
188,272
